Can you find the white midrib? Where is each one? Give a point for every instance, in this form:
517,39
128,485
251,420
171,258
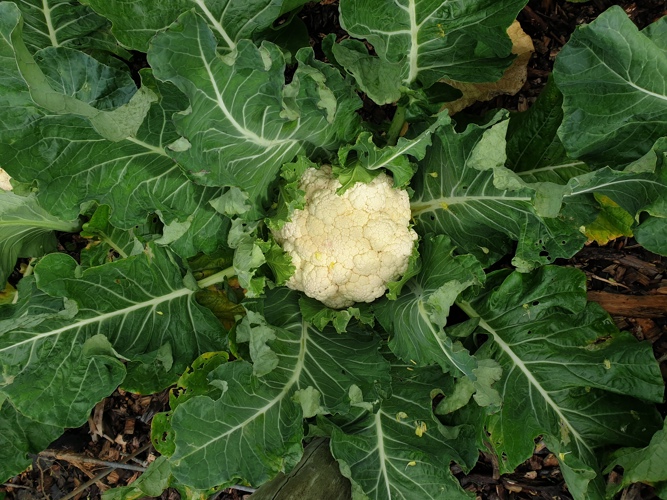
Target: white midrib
245,133
49,24
518,362
216,24
641,89
154,302
153,149
413,55
424,315
382,455
646,91
550,168
103,317
607,184
444,202
298,367
41,224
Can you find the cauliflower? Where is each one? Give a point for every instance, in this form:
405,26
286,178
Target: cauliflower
346,248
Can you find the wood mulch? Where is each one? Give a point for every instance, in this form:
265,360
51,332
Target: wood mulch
625,279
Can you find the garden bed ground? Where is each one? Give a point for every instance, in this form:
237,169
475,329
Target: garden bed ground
628,281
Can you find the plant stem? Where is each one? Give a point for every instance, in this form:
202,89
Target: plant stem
396,126
71,457
218,277
101,475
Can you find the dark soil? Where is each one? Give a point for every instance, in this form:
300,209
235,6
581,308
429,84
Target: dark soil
119,427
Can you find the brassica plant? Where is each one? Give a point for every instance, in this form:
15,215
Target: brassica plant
169,138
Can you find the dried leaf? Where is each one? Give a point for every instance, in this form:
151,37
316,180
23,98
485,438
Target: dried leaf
510,83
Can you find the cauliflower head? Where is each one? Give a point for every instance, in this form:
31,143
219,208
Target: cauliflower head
346,248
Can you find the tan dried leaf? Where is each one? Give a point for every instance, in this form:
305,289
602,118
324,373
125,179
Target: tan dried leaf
511,82
4,181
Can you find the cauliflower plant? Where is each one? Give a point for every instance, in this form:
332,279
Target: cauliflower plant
346,248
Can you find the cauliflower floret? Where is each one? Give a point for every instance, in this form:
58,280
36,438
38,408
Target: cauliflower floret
346,248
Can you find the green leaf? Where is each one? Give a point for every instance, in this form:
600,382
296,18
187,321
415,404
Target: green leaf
232,202
254,330
19,436
133,175
71,73
559,355
150,484
278,260
419,42
645,465
32,308
632,192
66,24
399,451
291,36
290,197
657,33
463,190
26,230
140,303
415,320
612,79
378,79
135,23
245,105
113,125
366,154
651,235
193,382
62,385
534,150
254,429
320,315
107,243
147,372
583,480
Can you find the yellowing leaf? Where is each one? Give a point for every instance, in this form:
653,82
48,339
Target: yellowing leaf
612,222
7,295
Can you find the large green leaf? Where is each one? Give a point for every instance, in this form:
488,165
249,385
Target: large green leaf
71,73
24,77
19,436
634,192
255,427
364,158
139,304
534,150
401,450
26,230
67,23
421,41
244,122
645,465
416,320
73,164
135,22
107,243
568,373
613,81
455,194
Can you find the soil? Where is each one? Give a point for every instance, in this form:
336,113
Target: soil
118,429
